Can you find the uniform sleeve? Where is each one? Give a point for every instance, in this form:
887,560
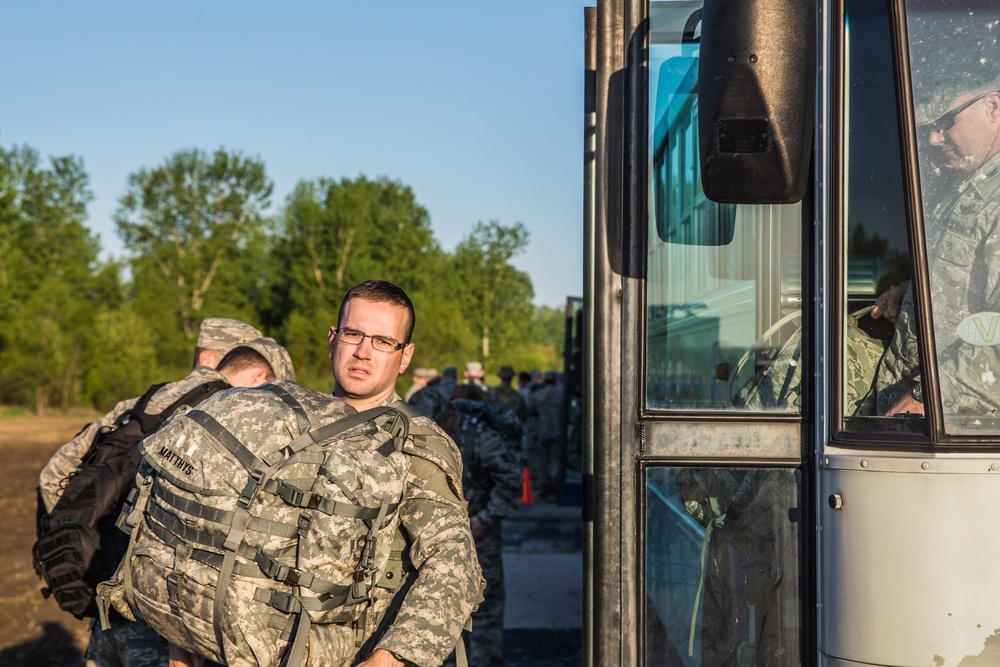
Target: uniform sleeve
504,472
448,583
67,459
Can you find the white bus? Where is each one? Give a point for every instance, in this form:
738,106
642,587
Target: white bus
775,474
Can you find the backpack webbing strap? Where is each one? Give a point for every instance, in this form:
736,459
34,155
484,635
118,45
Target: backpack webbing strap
240,520
225,438
327,432
301,417
296,497
196,395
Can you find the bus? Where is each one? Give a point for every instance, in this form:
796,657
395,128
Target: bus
790,347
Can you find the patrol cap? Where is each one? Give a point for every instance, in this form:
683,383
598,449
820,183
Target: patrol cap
223,334
276,355
505,372
474,369
425,373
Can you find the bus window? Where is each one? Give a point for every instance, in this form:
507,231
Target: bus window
723,297
722,555
956,101
879,366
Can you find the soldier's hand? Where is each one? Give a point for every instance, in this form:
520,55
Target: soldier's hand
906,406
888,303
181,658
382,658
478,528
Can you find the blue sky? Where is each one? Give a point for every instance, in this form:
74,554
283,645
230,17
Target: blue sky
477,106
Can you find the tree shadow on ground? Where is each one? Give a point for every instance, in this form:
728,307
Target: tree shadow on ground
55,646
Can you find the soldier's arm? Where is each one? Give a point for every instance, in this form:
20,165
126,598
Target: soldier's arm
448,583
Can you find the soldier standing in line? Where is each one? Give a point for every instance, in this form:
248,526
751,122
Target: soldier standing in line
544,409
421,378
449,380
474,375
508,398
492,482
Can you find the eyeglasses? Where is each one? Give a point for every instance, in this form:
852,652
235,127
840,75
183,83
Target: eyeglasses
946,121
354,337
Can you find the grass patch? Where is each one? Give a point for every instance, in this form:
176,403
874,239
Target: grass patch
10,412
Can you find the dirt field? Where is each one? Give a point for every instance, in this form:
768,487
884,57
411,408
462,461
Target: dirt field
33,630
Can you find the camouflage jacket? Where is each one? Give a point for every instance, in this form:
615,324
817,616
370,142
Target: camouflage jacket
509,398
963,248
67,459
492,473
545,405
448,582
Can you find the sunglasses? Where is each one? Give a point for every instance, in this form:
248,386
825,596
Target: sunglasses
946,121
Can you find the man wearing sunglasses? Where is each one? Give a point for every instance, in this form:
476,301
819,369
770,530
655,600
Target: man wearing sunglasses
963,244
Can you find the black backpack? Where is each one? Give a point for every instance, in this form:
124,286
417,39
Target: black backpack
78,544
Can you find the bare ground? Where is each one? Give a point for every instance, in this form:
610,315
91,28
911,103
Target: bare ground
33,630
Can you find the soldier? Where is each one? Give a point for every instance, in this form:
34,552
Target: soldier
544,456
421,378
449,380
227,350
492,482
474,375
962,248
369,348
508,398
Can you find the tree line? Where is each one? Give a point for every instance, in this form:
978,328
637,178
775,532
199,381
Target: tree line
201,241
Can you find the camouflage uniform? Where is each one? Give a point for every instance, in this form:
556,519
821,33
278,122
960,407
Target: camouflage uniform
963,247
544,457
428,615
492,481
509,398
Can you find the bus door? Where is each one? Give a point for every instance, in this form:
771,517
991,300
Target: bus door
699,380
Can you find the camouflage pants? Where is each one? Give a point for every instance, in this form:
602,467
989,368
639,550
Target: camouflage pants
126,644
486,641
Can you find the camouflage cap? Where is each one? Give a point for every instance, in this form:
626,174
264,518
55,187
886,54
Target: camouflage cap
474,369
425,373
223,334
276,355
505,372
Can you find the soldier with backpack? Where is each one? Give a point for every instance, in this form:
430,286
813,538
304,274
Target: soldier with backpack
83,484
283,525
489,439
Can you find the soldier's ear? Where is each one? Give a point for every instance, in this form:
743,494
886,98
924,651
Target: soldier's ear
407,356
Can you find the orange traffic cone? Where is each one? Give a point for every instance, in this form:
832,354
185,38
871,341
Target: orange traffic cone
526,497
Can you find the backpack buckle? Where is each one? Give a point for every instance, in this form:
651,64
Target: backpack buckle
249,492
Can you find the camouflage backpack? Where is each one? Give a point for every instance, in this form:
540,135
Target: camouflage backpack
263,526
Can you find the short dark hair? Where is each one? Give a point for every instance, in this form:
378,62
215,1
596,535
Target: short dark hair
241,358
381,291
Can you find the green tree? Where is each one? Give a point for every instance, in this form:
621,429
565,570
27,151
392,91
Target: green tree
196,229
47,263
494,295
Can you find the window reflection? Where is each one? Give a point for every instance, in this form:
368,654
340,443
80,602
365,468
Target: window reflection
722,567
724,282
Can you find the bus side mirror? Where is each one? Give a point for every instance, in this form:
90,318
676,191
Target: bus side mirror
756,90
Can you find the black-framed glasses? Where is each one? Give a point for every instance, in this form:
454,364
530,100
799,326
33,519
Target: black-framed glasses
946,121
354,337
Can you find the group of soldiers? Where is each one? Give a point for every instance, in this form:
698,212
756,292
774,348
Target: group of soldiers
447,514
507,436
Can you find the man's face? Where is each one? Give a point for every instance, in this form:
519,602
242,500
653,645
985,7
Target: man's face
971,138
366,376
